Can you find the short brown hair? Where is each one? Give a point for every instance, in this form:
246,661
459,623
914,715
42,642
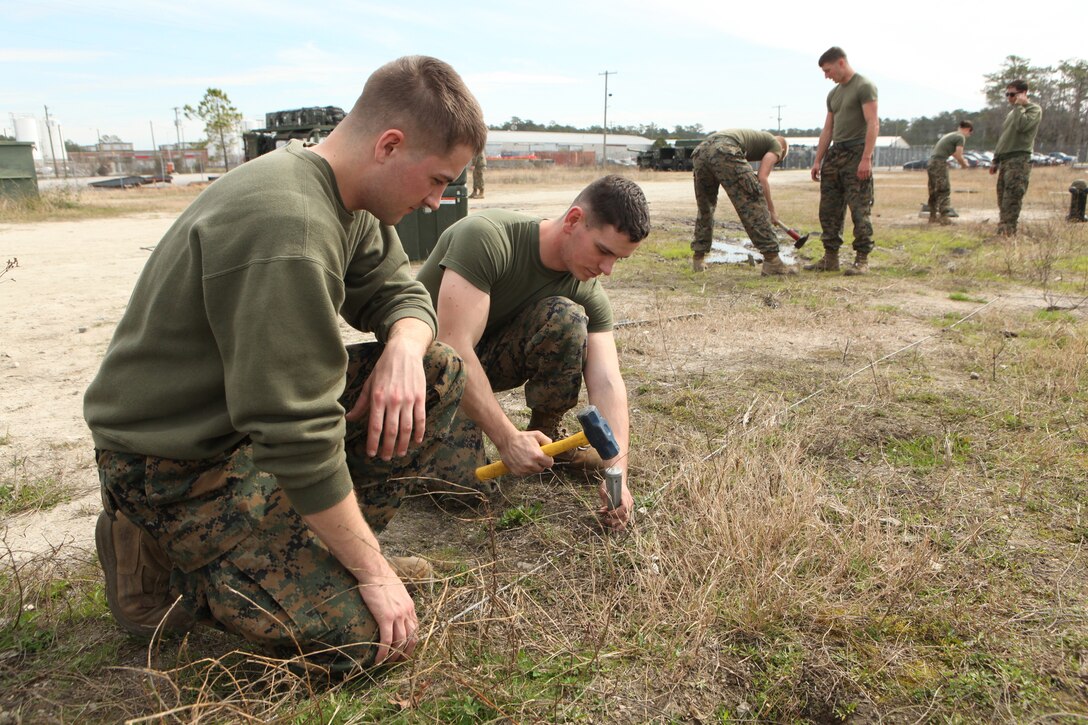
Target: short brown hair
967,124
425,96
1019,84
831,55
617,201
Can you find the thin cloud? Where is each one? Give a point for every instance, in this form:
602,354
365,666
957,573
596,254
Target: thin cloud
51,55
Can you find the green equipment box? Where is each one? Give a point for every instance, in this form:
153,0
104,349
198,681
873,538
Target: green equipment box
17,175
419,231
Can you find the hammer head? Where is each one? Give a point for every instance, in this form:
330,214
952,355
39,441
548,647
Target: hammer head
598,432
801,241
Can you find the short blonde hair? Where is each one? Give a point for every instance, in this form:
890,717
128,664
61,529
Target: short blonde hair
784,146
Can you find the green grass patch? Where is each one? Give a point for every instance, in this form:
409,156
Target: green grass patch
964,297
519,516
926,452
34,495
57,204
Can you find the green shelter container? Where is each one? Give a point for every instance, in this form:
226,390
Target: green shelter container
419,231
17,175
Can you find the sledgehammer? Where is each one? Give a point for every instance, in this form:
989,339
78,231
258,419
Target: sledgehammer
595,432
798,240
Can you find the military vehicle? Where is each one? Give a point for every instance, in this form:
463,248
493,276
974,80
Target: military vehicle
676,157
308,124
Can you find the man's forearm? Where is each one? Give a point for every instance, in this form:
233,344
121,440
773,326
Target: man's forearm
412,332
479,402
345,532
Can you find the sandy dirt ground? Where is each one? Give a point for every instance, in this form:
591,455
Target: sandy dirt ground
58,309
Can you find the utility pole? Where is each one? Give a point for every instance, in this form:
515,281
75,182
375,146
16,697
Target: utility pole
162,164
49,132
64,151
604,142
177,129
779,109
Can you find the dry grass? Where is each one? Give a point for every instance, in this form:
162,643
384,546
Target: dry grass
857,500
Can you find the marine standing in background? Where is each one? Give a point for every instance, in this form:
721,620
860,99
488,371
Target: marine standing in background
479,163
722,160
1012,157
845,170
940,189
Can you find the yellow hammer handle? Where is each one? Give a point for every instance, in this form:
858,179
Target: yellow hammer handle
499,468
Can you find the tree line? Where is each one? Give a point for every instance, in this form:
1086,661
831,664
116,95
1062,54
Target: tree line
1061,90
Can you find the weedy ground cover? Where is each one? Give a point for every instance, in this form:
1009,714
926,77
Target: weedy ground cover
858,498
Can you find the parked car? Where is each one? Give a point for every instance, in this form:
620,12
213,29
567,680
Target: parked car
976,159
916,164
1062,158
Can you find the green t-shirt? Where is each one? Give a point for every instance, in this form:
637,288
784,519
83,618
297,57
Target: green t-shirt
948,144
756,144
498,251
844,102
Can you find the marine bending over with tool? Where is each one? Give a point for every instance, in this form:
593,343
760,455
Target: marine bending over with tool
518,298
723,160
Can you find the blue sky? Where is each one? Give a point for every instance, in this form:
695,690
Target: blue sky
118,66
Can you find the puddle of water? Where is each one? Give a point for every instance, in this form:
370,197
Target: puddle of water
737,250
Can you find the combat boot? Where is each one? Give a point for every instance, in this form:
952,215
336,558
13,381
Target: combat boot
860,265
828,263
773,265
698,262
944,220
414,571
137,578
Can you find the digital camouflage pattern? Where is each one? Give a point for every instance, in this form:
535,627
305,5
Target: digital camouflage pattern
719,162
244,560
479,165
1013,174
544,347
840,188
940,188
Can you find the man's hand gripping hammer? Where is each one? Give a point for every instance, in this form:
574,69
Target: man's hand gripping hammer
595,432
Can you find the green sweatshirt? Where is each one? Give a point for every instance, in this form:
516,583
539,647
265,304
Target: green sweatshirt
1018,131
232,329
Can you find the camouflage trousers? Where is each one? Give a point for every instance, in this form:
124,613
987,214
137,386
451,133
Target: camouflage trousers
244,560
720,163
1013,174
477,180
840,188
940,188
544,348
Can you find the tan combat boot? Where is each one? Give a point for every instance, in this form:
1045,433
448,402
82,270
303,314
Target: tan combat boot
944,221
414,571
137,574
698,262
773,265
860,265
828,263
